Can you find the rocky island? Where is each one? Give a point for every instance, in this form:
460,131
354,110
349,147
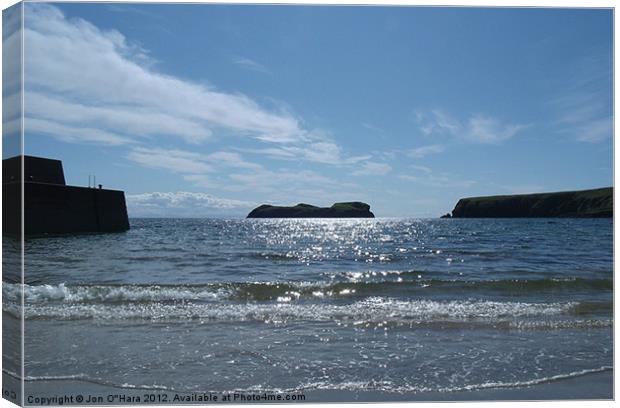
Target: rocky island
338,210
596,203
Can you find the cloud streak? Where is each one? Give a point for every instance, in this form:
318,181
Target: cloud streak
92,86
477,128
584,109
86,75
323,151
177,161
423,151
373,169
251,65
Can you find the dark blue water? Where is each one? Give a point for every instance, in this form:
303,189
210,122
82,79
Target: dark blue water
392,305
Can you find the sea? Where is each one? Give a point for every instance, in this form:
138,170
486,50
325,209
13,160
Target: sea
296,306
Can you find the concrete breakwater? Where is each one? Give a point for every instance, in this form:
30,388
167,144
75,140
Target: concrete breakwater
52,207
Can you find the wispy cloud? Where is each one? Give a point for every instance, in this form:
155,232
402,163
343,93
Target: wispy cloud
251,65
136,123
474,129
317,147
373,127
230,171
285,184
231,159
196,168
436,121
584,108
421,168
484,129
82,133
88,85
11,70
265,180
595,130
372,169
177,161
427,177
422,151
86,75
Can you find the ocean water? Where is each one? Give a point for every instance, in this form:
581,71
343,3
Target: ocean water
386,305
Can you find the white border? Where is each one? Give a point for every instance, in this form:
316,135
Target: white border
477,3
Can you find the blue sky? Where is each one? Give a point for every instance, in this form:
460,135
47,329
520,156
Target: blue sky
209,110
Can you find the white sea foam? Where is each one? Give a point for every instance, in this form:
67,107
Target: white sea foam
35,294
89,379
370,385
389,386
373,309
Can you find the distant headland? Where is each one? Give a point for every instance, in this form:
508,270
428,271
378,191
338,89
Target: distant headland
596,203
354,209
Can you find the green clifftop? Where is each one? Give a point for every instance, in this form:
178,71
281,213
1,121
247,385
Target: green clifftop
338,210
596,203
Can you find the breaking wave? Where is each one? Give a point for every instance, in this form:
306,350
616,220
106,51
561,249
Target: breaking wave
356,284
382,310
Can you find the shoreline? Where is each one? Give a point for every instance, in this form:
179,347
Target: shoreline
592,386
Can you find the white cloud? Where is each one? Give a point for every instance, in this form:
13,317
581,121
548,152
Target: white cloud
11,50
317,151
81,134
475,129
177,161
317,147
421,168
90,75
483,129
267,180
290,186
231,159
88,85
423,151
136,122
197,168
251,65
373,169
11,129
183,204
445,122
204,170
11,75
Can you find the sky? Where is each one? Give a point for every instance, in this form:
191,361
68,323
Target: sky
210,110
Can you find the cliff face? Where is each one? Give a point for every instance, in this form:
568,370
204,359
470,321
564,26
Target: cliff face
338,210
595,203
